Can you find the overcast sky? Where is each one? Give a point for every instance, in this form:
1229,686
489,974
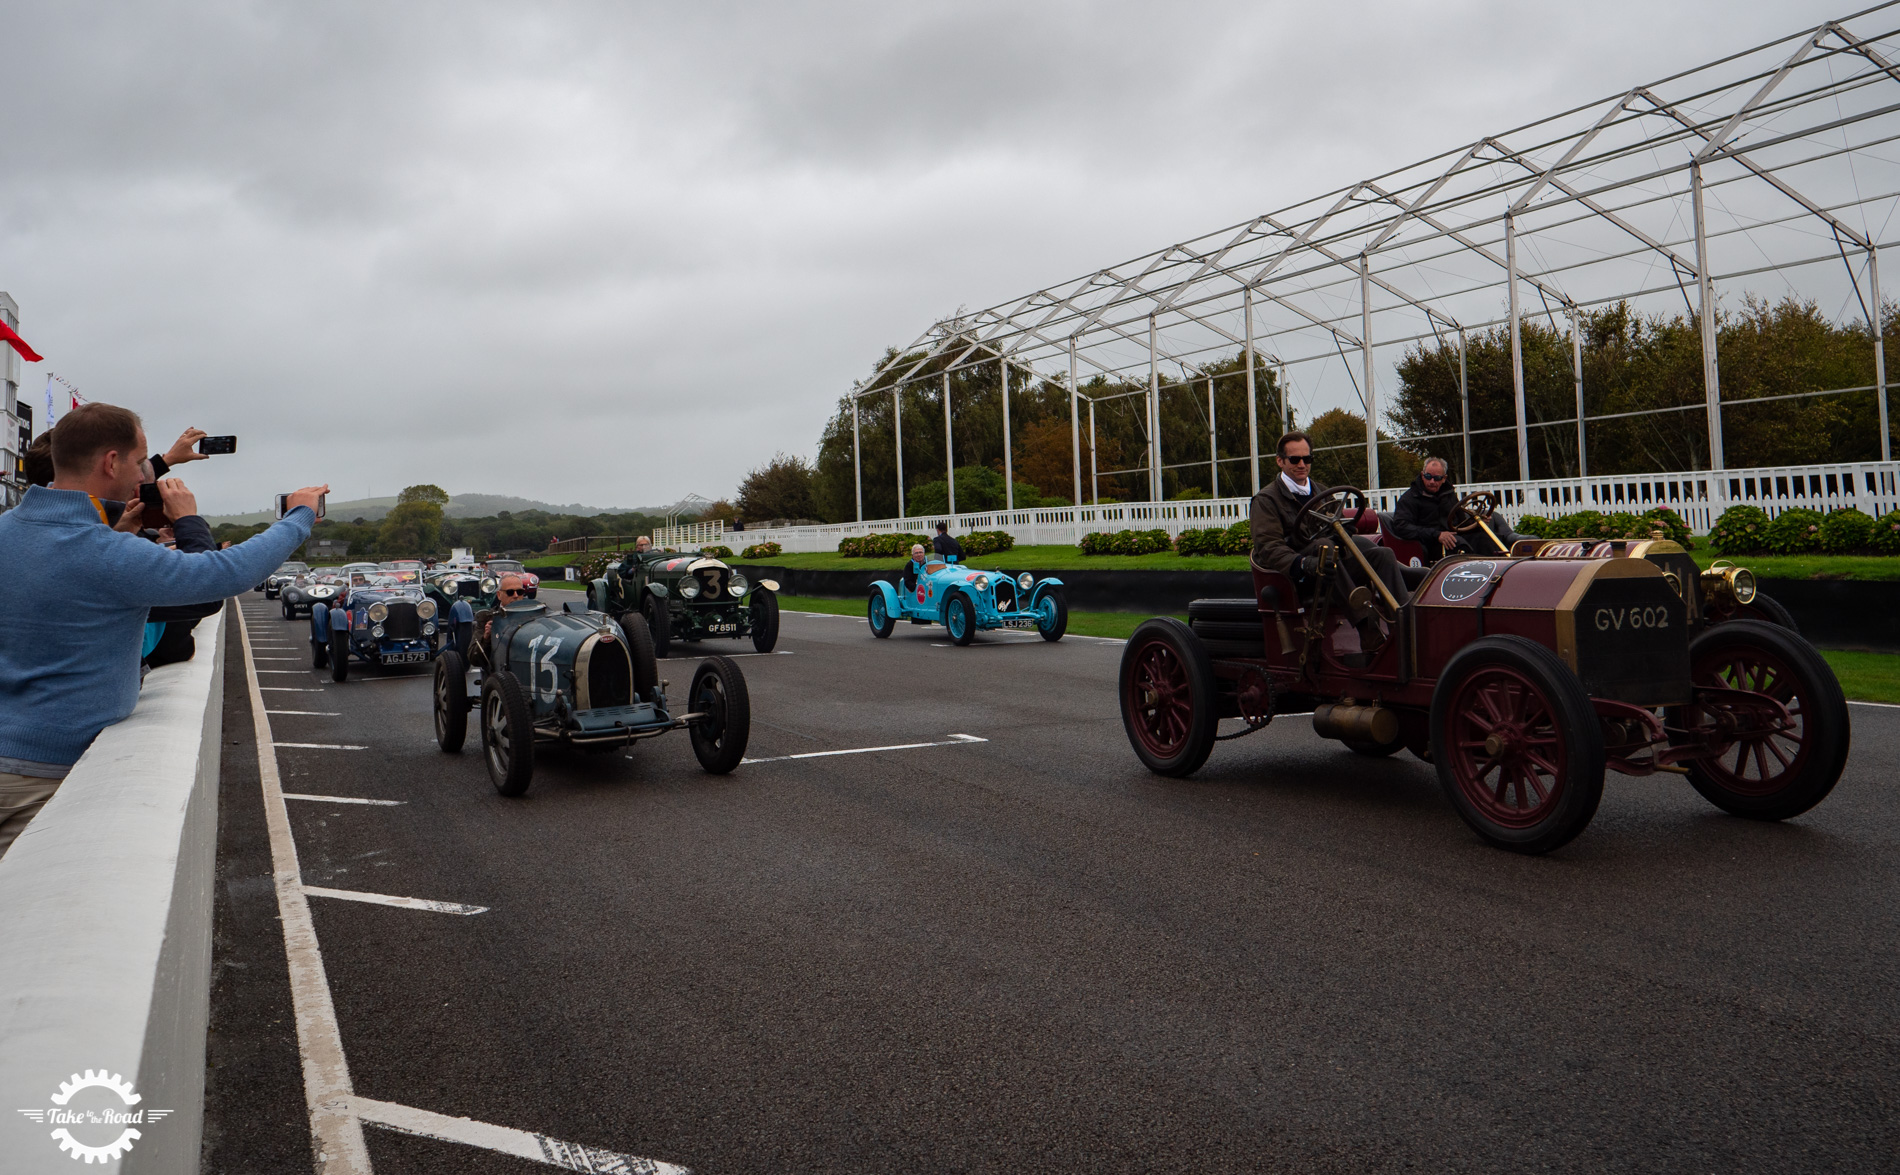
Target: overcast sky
616,253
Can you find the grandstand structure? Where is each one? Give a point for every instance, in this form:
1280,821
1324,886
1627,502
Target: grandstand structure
1771,171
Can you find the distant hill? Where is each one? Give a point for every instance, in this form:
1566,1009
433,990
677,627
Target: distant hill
460,506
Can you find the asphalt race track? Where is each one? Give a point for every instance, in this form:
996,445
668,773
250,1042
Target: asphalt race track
1026,953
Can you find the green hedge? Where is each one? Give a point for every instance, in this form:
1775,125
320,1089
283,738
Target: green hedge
762,551
986,542
716,552
1125,542
1215,540
880,546
1621,524
1885,539
1747,530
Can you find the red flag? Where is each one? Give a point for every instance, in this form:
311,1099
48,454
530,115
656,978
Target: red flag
12,338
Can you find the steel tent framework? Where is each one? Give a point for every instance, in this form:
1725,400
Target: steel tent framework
1774,170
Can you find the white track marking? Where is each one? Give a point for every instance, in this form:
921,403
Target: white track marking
1882,705
522,1144
955,740
312,713
322,746
691,656
336,1135
342,800
297,672
383,899
277,658
289,689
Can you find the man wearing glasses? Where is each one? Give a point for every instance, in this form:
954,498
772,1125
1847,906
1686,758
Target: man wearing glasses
509,591
1271,521
1424,516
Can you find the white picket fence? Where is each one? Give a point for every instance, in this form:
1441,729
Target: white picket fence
1700,497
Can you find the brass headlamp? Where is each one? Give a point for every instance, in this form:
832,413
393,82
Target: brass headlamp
1726,585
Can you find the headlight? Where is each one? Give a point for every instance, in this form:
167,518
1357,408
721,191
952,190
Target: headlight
982,583
688,589
378,613
490,584
429,629
738,585
1744,586
376,631
448,589
426,609
1025,581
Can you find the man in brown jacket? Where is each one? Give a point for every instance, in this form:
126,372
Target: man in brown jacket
1271,521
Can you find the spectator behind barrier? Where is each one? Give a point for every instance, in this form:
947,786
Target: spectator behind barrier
76,594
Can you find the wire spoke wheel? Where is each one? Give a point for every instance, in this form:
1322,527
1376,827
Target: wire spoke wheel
1507,747
507,733
1768,773
879,615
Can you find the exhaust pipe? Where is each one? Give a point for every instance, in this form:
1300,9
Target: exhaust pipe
1350,721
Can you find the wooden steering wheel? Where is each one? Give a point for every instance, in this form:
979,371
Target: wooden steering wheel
1471,510
1325,507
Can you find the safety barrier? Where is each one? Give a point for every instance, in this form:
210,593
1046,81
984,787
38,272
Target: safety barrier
1700,497
105,929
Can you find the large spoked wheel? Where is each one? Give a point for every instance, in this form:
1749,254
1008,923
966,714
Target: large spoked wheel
1341,504
879,615
659,620
764,620
646,668
1771,776
451,701
718,694
1768,610
959,618
1052,615
1167,696
507,733
339,655
1517,744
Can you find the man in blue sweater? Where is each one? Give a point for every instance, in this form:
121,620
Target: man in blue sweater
75,598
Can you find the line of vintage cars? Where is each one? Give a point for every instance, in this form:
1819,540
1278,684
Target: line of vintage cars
1522,676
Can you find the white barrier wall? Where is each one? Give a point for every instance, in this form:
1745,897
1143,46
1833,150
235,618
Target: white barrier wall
105,929
1873,487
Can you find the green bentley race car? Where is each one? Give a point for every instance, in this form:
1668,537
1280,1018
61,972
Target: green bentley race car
688,597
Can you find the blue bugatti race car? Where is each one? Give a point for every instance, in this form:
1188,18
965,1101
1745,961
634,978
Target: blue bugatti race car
966,600
379,622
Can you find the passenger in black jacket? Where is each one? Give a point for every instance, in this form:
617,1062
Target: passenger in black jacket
1423,515
946,546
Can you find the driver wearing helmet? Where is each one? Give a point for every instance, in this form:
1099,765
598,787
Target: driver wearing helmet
1271,521
1423,515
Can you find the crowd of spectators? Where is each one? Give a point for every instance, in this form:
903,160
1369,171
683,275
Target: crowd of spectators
109,566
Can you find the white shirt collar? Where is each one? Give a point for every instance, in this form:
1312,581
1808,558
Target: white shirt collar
1296,487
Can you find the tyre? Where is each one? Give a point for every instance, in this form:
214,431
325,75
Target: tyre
507,733
1169,708
959,617
1771,776
879,616
646,669
451,701
319,655
659,618
1226,611
289,612
764,620
1052,615
718,692
1769,610
339,656
1517,744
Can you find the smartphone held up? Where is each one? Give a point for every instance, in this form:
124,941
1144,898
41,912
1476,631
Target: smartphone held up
283,504
214,445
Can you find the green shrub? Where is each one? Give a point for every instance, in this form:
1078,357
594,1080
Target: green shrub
1190,494
596,567
986,542
1845,532
761,551
1885,539
1673,527
1125,542
1535,526
1795,531
715,551
1741,530
1199,542
1584,524
880,546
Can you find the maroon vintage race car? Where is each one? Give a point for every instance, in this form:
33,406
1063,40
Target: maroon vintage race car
1522,678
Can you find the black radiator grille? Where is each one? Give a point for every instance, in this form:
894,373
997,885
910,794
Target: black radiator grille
401,623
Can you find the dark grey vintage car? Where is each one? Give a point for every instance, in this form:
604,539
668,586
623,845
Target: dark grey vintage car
275,581
689,597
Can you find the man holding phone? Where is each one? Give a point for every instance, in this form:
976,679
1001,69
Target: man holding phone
77,593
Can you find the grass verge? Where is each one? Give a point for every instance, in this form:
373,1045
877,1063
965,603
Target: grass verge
1041,558
1870,567
1867,677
